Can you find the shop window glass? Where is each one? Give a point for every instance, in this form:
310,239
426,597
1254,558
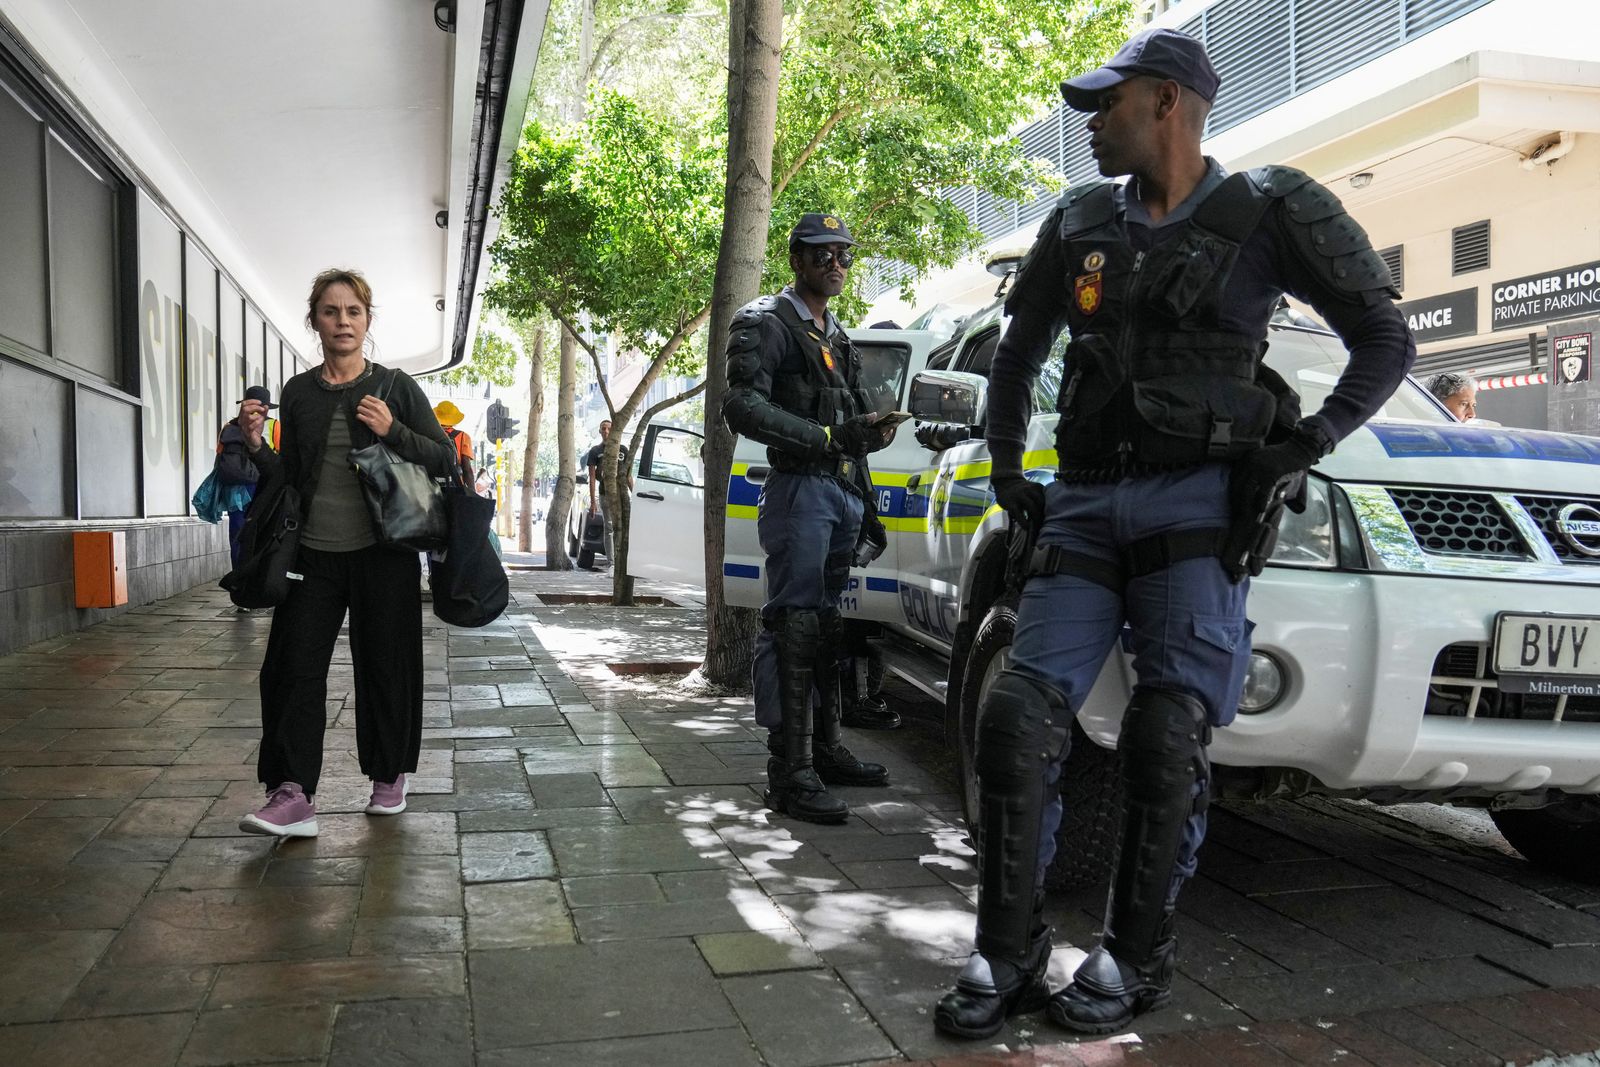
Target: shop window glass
200,361
160,360
108,485
83,265
35,465
23,293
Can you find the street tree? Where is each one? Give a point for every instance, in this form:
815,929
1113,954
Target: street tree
611,225
882,109
755,43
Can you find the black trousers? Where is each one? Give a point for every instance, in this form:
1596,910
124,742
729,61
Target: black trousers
382,588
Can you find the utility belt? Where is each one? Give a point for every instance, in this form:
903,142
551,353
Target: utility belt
1117,469
846,469
1144,556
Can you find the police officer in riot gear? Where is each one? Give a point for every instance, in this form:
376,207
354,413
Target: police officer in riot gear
794,384
1178,449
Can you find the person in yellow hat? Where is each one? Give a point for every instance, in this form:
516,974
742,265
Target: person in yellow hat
449,416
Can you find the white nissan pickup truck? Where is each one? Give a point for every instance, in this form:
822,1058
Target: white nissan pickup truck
1428,630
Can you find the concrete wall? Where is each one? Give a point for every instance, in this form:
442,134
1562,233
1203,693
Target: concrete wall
36,581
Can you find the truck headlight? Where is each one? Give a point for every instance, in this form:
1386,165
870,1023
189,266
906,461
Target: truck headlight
1306,539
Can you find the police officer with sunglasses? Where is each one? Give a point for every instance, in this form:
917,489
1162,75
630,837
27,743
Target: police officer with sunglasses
794,384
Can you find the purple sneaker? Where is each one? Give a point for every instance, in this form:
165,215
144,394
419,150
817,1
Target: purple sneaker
388,798
287,813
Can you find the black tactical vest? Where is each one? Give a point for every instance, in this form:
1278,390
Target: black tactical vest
826,391
1151,380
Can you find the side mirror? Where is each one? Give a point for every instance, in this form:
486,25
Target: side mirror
950,396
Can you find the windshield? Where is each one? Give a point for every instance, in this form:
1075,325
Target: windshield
1310,362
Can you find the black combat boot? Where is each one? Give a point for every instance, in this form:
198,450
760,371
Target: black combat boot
1107,994
793,787
863,708
992,990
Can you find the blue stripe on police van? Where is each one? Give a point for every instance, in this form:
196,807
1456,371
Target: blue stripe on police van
1410,440
882,585
740,570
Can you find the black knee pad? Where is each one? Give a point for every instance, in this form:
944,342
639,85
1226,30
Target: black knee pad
1163,742
798,634
1025,725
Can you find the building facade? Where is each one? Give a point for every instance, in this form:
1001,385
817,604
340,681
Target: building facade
1463,134
171,179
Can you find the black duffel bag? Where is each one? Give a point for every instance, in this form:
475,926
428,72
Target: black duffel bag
268,543
468,582
404,500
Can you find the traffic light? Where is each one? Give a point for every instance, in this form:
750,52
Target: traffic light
495,421
509,426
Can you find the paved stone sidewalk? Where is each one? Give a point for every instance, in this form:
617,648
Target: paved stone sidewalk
586,875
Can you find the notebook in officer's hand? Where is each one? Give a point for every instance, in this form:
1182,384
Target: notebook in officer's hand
890,419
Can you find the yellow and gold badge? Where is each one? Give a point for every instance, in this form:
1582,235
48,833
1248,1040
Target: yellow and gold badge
827,357
1086,292
830,222
1094,260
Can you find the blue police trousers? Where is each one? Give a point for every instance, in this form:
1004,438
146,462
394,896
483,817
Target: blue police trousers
808,525
1187,622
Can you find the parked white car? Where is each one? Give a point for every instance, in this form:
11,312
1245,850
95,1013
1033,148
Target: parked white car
668,510
1428,630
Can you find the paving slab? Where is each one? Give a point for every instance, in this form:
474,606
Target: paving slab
126,1041
400,1033
633,849
593,992
244,1035
517,915
806,1019
701,1048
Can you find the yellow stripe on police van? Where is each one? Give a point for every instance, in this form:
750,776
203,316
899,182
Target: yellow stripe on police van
905,524
741,511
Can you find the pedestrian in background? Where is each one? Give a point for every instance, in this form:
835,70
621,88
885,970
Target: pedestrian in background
1457,392
325,412
1177,450
597,487
794,384
234,467
449,417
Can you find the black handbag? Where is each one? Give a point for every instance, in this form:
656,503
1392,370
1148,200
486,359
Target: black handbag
468,582
404,500
268,543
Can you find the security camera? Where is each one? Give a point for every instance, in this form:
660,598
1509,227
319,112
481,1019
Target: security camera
441,219
438,305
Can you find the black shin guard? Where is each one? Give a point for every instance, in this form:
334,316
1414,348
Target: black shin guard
1025,725
798,791
836,764
1162,753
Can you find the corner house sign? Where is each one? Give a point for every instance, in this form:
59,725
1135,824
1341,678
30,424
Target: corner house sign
1433,318
1568,293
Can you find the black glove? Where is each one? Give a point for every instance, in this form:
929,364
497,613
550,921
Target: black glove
858,436
1023,500
1260,475
872,539
940,436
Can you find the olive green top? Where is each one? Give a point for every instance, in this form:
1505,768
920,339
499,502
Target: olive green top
337,518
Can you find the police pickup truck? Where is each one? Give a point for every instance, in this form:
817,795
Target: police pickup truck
1427,630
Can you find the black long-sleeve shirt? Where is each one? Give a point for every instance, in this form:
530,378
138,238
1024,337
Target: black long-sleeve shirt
1269,265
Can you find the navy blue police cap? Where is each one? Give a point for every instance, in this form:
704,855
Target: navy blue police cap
815,228
1160,53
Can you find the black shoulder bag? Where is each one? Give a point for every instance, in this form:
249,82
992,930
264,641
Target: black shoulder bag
268,544
468,581
406,504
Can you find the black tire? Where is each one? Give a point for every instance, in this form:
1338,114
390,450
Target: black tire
572,544
1091,790
586,558
1563,838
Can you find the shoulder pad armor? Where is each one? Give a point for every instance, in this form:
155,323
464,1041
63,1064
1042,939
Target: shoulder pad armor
1086,207
751,313
1327,239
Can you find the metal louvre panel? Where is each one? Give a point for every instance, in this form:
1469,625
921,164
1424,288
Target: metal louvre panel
1469,247
1042,140
1395,259
1487,356
1249,43
1334,36
994,216
1077,165
1423,15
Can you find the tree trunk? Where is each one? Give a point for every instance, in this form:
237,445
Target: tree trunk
555,526
530,453
755,40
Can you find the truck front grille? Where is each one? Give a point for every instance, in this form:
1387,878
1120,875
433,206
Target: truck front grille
1455,523
1464,686
1545,510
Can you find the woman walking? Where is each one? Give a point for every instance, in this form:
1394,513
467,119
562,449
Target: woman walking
324,412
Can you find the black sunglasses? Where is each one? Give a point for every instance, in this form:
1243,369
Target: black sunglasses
822,257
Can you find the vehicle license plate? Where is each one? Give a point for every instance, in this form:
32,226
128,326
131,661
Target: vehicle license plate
1547,653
